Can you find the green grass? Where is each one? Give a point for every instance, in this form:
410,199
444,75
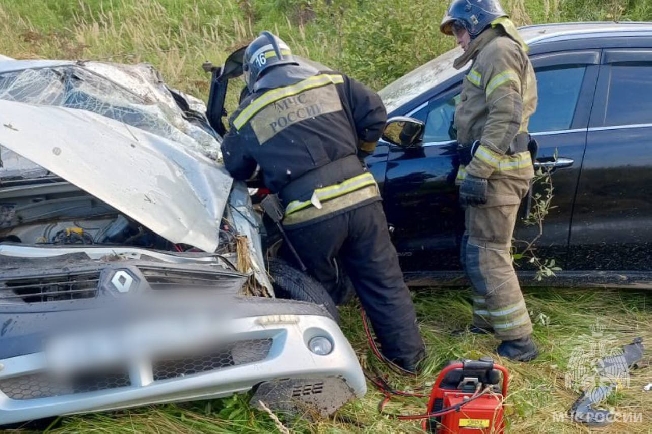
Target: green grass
375,41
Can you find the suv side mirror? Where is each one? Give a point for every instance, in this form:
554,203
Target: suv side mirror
233,64
404,132
220,76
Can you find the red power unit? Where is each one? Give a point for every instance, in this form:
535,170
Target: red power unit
468,398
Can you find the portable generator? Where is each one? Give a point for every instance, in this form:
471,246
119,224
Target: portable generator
468,398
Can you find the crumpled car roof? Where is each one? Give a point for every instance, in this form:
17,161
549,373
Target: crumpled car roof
134,94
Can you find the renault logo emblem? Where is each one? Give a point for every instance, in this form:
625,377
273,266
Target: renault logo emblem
122,281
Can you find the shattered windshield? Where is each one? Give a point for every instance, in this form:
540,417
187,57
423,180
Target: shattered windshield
68,86
141,100
419,80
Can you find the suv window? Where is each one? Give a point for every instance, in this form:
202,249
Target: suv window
440,121
438,116
558,91
628,102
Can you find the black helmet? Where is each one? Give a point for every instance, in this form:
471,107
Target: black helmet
473,15
265,51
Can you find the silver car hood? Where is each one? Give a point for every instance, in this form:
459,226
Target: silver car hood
174,191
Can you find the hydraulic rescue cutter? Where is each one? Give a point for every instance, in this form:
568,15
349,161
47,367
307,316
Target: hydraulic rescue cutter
468,397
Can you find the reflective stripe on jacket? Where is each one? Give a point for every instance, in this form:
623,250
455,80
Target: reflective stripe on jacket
332,191
352,200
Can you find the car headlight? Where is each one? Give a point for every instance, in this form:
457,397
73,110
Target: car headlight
320,345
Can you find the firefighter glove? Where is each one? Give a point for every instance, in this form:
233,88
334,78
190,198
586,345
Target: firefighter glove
473,191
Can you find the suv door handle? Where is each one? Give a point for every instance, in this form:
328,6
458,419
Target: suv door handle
553,163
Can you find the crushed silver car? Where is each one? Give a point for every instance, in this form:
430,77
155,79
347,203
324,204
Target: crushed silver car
131,265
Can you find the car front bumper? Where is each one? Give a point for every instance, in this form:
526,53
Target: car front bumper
268,352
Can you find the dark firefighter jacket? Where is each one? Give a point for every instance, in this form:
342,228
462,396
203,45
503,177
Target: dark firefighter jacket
305,129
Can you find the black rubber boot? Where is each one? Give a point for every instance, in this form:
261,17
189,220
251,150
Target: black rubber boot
473,329
519,350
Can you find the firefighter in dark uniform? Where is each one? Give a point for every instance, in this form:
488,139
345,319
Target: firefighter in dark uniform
498,97
308,130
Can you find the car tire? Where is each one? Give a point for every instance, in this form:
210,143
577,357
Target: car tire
292,284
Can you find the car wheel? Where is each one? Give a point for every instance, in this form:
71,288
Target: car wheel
292,284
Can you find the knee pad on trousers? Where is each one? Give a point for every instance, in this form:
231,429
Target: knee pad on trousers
465,240
471,264
488,268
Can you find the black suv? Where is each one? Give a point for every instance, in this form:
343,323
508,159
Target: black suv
594,127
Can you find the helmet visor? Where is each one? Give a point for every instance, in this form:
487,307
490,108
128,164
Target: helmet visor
446,25
457,28
452,27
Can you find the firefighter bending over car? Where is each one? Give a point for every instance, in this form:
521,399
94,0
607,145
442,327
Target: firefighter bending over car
498,97
308,130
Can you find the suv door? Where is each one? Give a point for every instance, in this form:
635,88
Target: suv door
566,85
420,196
612,220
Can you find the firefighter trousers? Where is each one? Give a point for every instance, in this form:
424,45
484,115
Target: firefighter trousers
497,300
359,238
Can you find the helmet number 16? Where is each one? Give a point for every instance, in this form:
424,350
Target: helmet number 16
261,59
